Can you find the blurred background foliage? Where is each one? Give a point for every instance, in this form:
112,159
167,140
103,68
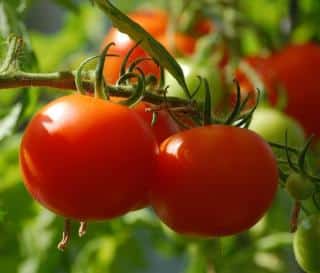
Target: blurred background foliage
59,35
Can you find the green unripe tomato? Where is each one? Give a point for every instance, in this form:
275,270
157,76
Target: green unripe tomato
299,187
306,244
191,71
272,124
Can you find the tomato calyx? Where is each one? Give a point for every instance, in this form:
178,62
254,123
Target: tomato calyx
299,183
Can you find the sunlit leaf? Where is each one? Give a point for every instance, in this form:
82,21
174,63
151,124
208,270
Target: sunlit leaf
8,123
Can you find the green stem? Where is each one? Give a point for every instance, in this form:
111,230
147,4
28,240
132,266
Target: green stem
66,81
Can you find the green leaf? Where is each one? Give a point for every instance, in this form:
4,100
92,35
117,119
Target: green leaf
18,5
29,100
11,24
8,123
9,21
148,43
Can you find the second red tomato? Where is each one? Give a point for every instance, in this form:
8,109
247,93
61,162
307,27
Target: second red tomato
214,181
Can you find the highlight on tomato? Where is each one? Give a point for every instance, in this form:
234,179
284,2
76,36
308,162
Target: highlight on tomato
156,23
88,159
213,181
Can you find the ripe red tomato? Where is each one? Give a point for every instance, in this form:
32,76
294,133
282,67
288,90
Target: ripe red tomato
297,67
164,127
156,23
213,181
88,159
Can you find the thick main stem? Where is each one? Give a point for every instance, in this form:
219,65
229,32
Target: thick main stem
66,81
59,80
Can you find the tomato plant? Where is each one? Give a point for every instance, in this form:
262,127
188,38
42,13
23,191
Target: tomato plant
99,161
88,159
306,243
208,179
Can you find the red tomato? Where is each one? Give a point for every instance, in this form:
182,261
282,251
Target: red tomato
156,23
183,44
88,159
164,127
213,181
297,67
203,27
123,45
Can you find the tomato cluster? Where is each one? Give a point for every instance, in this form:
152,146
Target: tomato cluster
89,159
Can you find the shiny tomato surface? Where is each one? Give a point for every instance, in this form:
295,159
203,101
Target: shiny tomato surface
88,159
297,67
214,181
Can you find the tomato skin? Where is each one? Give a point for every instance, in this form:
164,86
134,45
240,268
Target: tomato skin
184,44
210,183
88,159
306,244
297,67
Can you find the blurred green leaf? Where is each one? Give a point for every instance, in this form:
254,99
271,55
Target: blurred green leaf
29,101
274,241
8,123
196,261
2,215
11,24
